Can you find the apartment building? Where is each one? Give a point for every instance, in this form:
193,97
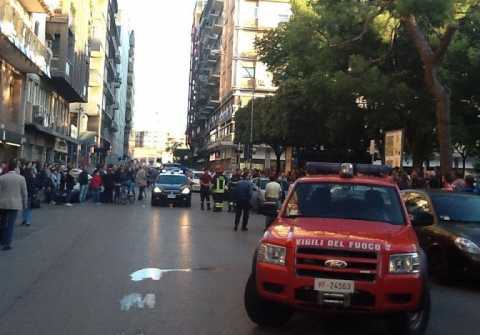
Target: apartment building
43,70
98,125
226,74
51,129
118,140
130,99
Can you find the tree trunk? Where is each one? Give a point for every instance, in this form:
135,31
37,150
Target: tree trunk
440,93
278,155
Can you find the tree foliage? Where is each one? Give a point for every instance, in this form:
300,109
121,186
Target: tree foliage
349,70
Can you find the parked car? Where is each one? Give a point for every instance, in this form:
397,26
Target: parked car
452,242
258,195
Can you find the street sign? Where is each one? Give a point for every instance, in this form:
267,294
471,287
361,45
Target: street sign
394,141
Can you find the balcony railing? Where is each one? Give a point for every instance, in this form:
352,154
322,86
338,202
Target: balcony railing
18,32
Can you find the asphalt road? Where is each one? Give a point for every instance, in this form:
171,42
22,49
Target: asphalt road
78,271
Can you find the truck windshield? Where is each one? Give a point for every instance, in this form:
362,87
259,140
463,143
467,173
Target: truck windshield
346,201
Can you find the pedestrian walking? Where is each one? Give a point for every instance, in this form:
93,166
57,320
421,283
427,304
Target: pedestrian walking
141,180
236,177
205,184
13,198
243,194
83,181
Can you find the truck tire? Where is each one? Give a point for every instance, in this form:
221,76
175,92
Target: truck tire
412,323
263,312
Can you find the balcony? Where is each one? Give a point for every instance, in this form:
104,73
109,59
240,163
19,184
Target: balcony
18,43
68,69
221,142
36,6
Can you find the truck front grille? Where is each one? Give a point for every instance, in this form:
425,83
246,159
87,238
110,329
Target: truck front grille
361,265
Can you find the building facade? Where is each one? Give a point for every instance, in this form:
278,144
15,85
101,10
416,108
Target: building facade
23,50
44,56
97,121
130,98
51,129
226,75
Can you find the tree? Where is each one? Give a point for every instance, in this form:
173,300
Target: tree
268,126
327,39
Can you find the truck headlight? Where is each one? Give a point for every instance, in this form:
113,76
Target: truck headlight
186,190
273,254
404,263
467,246
157,190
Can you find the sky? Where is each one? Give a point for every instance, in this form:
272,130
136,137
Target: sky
162,62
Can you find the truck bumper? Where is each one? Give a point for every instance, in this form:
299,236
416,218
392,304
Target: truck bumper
385,295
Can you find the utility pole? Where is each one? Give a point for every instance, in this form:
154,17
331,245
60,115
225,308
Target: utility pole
253,77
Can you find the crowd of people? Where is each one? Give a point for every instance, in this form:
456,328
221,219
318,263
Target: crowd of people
26,185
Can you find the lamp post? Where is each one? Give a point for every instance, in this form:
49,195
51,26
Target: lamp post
252,76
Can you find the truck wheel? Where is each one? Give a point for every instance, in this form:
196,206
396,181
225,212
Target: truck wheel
412,323
263,312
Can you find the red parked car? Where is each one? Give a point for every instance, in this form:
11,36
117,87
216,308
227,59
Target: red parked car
342,243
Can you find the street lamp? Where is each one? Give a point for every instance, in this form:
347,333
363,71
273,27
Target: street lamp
252,76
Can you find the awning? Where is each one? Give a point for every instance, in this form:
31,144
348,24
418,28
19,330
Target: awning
88,138
7,136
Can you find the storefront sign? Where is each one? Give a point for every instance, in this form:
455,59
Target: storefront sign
394,148
60,146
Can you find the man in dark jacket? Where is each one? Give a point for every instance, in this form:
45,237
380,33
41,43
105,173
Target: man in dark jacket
69,185
83,181
242,195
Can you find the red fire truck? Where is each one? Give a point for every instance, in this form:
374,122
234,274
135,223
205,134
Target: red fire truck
341,243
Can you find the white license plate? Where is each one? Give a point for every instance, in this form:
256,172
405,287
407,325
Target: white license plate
171,196
334,285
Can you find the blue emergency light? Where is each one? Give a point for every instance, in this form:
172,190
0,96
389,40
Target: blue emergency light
347,170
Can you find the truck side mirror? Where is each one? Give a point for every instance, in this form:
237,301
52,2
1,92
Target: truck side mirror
422,219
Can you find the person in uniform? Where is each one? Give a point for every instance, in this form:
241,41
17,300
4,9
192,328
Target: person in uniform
219,186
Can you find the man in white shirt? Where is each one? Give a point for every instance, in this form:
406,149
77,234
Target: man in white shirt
273,193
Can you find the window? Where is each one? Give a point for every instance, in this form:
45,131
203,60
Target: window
283,18
247,72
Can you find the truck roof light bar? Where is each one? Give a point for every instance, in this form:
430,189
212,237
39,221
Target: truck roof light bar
347,170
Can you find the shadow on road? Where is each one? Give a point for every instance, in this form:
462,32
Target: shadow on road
313,324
